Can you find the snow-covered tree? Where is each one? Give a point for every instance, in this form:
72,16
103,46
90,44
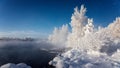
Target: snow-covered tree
77,23
89,28
59,36
90,48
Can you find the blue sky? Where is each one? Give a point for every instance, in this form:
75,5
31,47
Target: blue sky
41,16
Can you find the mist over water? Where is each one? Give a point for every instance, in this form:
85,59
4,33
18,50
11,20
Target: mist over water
29,52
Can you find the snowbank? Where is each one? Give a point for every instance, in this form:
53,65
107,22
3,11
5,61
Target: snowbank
11,65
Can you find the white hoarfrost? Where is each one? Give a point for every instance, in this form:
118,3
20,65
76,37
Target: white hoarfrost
78,20
59,36
82,28
90,47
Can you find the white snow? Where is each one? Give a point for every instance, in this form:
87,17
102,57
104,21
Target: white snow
90,47
12,65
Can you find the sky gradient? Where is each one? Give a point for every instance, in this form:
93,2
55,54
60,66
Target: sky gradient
41,16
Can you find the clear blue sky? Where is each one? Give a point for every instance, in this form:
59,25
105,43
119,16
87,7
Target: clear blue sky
43,15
